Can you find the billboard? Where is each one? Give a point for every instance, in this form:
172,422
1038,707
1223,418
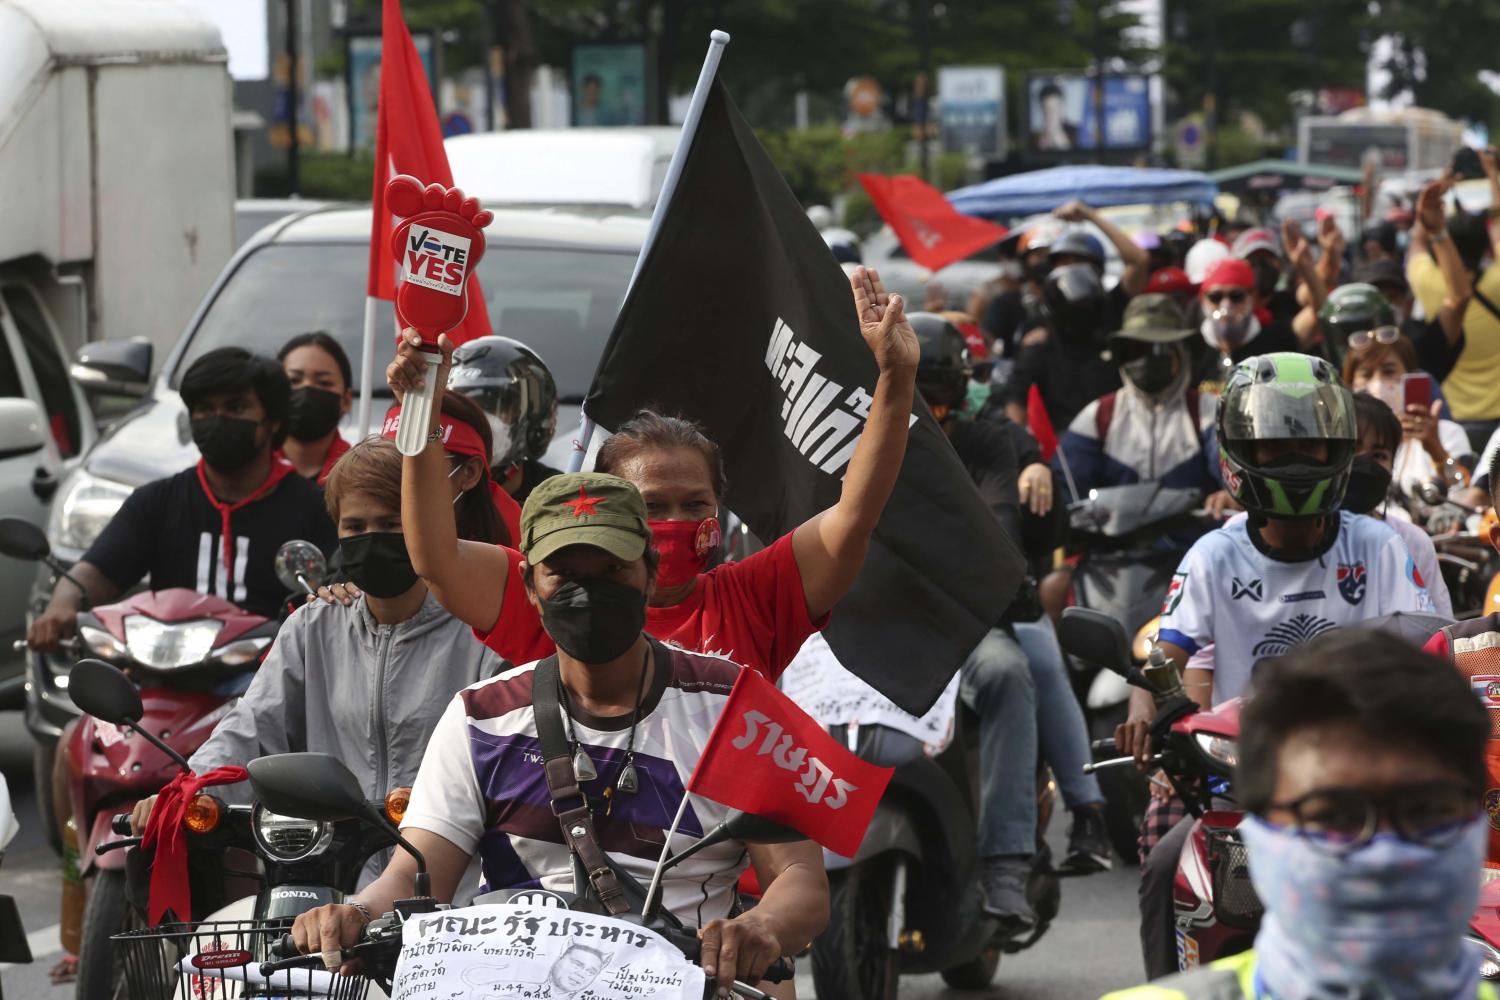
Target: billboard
609,84
972,104
1061,113
364,83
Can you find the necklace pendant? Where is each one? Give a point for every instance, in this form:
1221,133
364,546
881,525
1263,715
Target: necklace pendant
583,766
627,783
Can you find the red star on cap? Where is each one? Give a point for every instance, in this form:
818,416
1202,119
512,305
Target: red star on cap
584,504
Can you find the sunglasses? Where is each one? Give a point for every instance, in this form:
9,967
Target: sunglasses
1380,335
1235,296
1339,820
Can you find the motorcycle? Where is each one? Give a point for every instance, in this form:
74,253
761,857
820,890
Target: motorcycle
302,863
319,787
14,947
1133,539
908,902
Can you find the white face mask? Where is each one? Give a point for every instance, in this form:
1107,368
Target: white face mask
1225,331
1388,392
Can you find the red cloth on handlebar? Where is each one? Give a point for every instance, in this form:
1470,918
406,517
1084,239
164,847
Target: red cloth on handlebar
164,832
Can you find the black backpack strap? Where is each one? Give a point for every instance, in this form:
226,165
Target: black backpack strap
569,804
1484,300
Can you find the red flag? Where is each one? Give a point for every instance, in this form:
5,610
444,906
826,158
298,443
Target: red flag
164,835
1040,423
931,230
408,140
768,757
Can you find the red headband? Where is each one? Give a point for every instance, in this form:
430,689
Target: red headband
458,437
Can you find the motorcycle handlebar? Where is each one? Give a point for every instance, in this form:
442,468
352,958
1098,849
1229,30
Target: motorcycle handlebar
115,845
1104,744
120,824
1117,762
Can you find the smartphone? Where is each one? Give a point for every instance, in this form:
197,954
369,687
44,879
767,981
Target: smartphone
1416,390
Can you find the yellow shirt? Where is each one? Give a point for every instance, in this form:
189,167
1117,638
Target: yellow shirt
1473,387
1218,982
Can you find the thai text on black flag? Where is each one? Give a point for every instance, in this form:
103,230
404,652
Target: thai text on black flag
741,320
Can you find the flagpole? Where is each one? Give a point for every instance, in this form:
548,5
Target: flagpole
367,367
666,846
716,41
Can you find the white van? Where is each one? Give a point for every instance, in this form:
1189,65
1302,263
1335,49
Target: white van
619,170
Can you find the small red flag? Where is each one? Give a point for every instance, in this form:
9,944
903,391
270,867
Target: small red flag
931,230
1040,423
768,757
164,835
408,140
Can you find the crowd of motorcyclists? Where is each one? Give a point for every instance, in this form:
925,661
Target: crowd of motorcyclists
1313,403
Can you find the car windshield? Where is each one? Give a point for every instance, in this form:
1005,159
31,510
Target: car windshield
560,302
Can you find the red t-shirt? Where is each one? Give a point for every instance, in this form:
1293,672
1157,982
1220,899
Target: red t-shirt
752,612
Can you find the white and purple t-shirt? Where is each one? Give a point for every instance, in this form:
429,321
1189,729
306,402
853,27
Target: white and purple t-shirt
482,787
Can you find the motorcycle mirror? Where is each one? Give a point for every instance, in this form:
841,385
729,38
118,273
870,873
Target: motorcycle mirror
300,566
1433,492
308,786
1096,638
20,539
104,692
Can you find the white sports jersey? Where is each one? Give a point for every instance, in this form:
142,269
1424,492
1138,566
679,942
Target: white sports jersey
1230,596
1424,554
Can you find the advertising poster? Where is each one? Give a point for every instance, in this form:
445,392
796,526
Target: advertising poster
972,100
1060,115
364,83
608,84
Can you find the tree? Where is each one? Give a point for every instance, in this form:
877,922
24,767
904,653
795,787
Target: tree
1441,47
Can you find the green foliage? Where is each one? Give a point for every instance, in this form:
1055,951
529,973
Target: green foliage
334,176
1445,45
819,163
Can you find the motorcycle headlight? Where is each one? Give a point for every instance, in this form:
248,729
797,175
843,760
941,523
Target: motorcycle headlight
1489,959
84,508
287,838
1145,638
1217,748
243,651
101,643
168,645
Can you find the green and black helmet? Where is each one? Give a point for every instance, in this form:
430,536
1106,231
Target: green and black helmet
1351,309
1286,397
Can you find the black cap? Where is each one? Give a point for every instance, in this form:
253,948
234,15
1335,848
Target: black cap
1382,272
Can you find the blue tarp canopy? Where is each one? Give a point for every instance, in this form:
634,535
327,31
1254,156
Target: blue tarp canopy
1099,186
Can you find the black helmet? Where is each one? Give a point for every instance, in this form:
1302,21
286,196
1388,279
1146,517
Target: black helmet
1078,243
1074,301
515,389
944,366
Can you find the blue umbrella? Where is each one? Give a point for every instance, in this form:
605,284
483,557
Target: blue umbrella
1099,186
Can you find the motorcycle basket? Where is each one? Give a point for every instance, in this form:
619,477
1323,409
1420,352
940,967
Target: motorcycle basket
220,960
1235,900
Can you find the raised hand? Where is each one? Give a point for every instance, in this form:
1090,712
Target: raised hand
408,370
1073,211
883,323
1430,214
1298,251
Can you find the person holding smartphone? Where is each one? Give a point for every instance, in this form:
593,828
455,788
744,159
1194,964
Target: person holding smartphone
1383,363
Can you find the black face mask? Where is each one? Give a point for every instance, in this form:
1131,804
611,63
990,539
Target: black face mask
1152,373
1369,483
594,621
1038,272
378,563
226,442
312,413
1266,278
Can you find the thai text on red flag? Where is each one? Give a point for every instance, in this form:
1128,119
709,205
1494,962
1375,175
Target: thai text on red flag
768,757
408,140
930,229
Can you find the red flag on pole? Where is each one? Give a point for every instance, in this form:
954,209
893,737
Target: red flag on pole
408,140
931,230
1039,422
768,757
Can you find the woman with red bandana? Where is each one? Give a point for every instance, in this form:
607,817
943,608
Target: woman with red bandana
756,612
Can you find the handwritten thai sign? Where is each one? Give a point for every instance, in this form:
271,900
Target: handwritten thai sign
510,952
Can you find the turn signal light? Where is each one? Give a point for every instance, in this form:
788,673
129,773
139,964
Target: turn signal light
203,814
396,803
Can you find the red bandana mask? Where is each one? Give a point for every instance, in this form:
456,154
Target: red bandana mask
685,547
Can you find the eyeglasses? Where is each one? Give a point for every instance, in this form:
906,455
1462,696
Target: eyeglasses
1340,820
1235,295
1380,335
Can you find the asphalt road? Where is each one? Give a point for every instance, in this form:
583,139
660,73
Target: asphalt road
1091,948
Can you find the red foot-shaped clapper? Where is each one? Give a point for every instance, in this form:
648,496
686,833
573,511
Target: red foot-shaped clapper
438,244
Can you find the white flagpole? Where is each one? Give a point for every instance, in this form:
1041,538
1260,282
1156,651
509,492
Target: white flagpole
367,367
667,843
716,42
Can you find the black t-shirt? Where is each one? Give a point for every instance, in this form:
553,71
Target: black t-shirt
532,473
1435,355
990,458
168,530
1069,379
1275,338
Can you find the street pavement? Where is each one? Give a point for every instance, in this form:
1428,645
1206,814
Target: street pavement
1091,948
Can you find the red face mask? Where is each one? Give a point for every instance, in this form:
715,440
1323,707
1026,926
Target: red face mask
685,547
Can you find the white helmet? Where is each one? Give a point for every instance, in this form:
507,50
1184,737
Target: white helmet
1201,257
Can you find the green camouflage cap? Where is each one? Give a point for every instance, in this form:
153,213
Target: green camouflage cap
584,508
1153,319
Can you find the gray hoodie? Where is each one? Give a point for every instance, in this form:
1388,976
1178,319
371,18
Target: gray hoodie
338,682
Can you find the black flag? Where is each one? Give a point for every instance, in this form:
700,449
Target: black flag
741,320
